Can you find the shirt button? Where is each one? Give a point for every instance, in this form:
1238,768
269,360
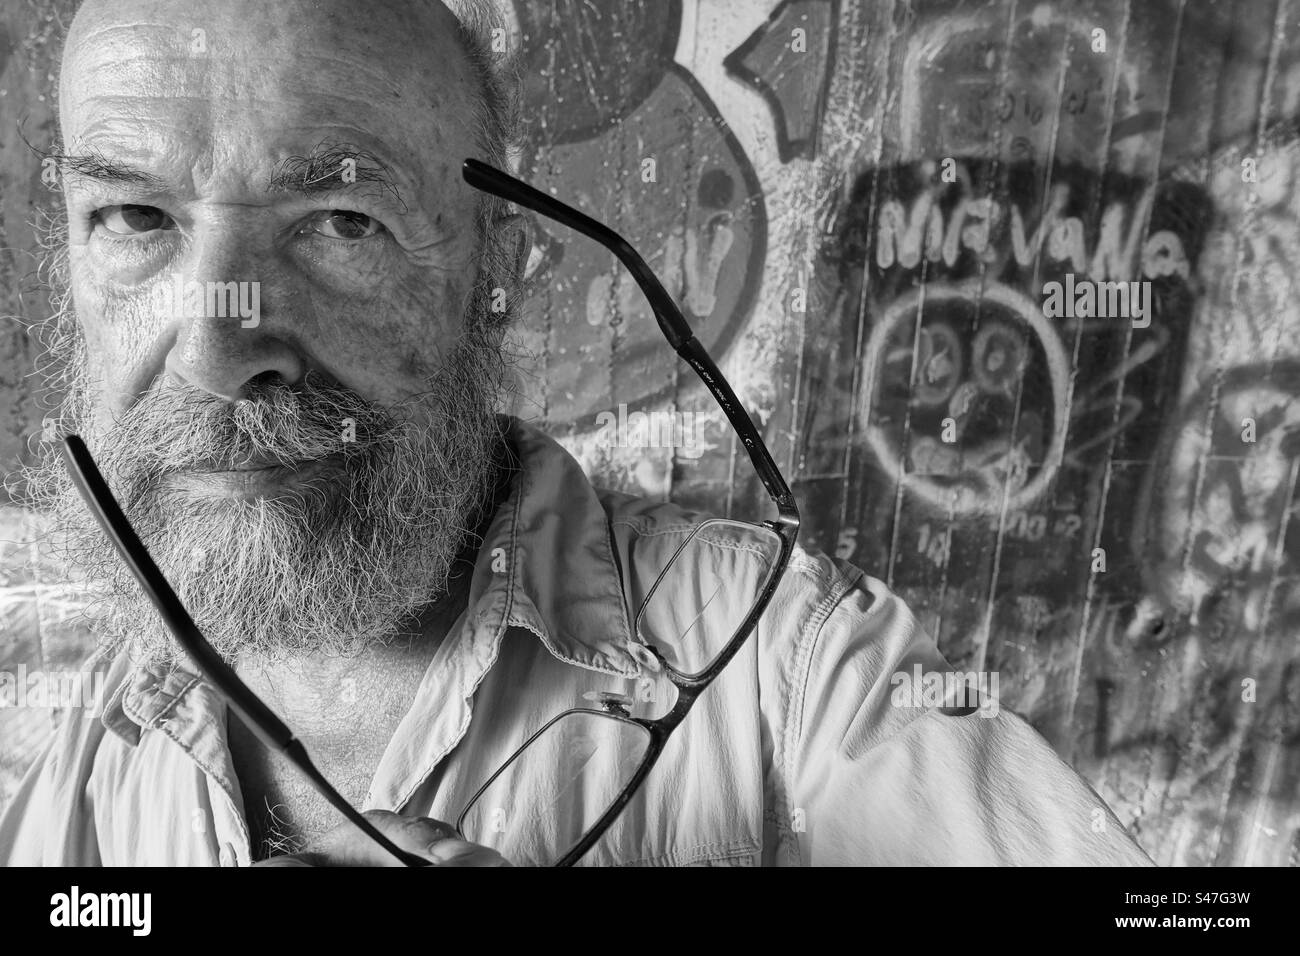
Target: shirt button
643,656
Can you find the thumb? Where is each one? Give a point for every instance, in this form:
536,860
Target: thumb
425,837
348,845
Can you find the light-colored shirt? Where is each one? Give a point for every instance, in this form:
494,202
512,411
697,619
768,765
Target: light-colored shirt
811,747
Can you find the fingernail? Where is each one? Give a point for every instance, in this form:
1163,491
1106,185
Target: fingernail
445,851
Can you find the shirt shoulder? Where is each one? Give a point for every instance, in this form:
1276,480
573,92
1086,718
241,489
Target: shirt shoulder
818,593
867,760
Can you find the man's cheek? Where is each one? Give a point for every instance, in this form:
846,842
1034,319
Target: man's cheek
398,337
120,327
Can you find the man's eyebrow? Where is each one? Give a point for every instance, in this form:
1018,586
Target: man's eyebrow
331,167
94,164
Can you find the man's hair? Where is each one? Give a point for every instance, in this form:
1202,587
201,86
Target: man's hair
499,123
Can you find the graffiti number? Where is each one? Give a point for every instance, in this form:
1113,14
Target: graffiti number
1027,527
1069,525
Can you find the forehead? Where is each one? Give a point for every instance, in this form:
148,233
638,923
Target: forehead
236,78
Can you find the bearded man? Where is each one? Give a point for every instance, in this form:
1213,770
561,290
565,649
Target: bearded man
419,596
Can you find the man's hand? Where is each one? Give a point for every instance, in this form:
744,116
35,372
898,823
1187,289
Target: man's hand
433,840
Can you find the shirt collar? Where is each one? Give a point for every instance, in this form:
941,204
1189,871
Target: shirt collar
547,564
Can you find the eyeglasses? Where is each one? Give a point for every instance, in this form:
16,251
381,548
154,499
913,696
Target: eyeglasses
562,790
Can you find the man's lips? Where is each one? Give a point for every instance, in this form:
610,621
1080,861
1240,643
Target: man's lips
251,464
254,477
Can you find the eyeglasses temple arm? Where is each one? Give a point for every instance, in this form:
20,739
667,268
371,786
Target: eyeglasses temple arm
247,706
694,354
671,321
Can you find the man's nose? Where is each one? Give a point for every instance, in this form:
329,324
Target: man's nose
223,341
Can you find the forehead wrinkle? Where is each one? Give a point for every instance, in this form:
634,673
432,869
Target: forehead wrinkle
420,107
149,79
118,46
102,33
358,74
114,124
377,74
130,116
87,55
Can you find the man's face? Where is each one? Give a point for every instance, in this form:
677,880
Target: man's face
272,263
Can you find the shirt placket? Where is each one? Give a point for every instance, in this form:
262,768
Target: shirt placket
192,715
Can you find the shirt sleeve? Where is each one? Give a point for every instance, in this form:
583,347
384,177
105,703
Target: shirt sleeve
879,775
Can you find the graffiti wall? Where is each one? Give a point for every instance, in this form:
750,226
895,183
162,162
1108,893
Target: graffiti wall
1008,286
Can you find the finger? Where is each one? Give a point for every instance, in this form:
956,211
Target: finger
285,860
348,845
456,852
434,840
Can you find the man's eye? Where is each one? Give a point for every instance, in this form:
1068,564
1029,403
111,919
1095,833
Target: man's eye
132,220
344,224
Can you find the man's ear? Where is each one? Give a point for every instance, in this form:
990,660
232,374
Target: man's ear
515,234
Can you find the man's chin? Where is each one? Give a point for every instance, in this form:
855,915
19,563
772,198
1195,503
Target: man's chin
261,575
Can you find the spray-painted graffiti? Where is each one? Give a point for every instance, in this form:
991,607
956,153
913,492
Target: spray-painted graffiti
789,60
630,137
1034,88
953,293
1217,510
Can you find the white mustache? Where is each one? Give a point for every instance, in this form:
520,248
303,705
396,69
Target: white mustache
180,429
